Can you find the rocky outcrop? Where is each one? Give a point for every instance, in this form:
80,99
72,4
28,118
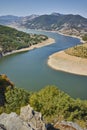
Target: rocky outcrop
13,122
32,120
63,125
28,120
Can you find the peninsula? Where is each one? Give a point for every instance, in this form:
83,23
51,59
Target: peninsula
72,60
14,41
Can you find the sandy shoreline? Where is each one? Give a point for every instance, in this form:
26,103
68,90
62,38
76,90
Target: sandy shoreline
67,63
82,41
60,60
44,43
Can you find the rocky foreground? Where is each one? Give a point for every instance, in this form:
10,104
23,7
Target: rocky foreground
32,120
28,120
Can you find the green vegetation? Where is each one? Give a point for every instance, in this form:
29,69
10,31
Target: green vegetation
55,105
11,98
79,50
11,39
15,99
84,37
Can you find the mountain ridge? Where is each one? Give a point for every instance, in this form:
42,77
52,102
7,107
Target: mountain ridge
65,23
60,18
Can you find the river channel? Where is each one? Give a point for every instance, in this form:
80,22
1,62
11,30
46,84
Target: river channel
29,70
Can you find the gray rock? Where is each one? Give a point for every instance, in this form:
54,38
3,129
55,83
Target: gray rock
28,120
13,122
2,127
33,118
65,125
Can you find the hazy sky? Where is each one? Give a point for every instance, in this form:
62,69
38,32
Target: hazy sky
28,7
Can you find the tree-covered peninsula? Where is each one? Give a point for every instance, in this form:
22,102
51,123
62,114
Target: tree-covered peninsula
11,39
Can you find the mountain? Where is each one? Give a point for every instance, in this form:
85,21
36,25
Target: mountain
68,24
41,22
24,20
9,19
56,14
57,22
31,17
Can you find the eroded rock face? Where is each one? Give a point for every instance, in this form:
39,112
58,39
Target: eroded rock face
33,118
28,120
63,125
2,127
13,122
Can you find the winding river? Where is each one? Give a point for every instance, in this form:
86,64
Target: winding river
29,70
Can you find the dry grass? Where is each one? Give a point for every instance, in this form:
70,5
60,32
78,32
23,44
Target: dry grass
79,51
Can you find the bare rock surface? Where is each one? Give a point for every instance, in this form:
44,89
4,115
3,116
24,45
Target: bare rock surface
28,120
32,120
63,125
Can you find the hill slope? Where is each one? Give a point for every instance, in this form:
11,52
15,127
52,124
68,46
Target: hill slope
55,105
11,39
59,21
70,24
63,23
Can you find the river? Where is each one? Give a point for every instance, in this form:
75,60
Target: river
29,70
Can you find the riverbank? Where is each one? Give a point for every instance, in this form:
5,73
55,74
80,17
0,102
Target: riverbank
79,37
64,62
44,43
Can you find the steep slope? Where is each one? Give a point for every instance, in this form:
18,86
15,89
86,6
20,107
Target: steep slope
68,24
41,22
57,22
54,105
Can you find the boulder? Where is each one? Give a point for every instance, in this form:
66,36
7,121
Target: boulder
13,122
65,125
33,118
28,120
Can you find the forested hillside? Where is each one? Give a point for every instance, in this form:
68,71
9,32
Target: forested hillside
54,104
11,39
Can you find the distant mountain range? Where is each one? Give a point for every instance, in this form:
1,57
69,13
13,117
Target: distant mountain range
8,19
70,24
